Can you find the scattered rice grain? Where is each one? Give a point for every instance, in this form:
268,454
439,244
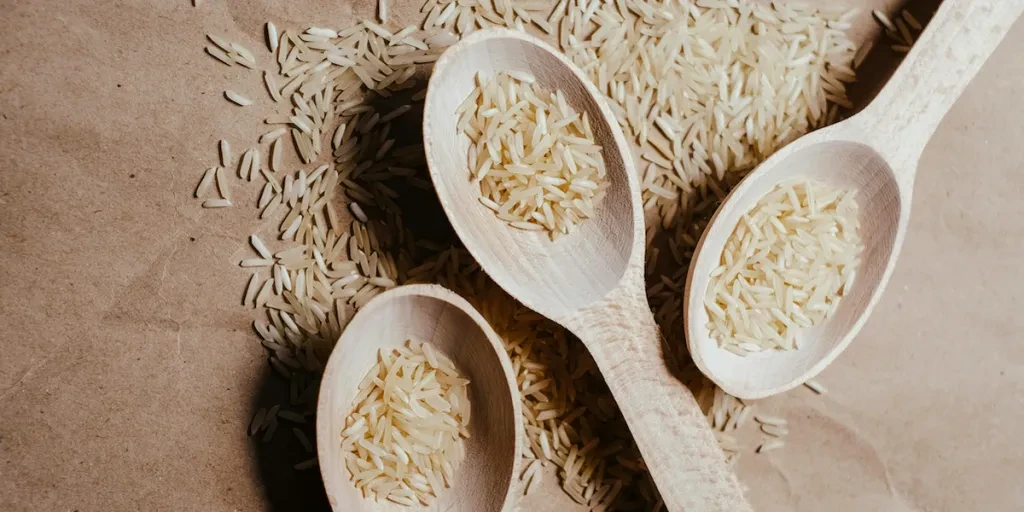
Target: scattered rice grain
237,99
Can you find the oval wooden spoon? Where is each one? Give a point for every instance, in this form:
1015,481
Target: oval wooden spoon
590,281
874,153
428,313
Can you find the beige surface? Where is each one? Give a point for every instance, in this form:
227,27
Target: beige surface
128,370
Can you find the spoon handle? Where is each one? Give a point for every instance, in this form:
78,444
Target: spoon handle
673,435
953,47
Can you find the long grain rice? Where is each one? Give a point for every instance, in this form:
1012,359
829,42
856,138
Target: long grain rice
220,55
216,203
222,184
536,159
784,268
423,406
225,154
251,289
237,99
272,37
816,386
205,182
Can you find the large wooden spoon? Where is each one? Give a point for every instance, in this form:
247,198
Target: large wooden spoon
591,281
874,153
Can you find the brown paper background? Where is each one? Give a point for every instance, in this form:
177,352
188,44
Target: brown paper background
128,370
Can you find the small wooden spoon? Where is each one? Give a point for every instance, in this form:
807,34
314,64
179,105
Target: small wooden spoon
874,153
432,314
590,281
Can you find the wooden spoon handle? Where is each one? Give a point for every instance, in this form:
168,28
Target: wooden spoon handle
673,435
953,47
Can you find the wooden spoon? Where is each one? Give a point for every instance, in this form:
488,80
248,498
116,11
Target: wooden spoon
590,281
874,153
432,314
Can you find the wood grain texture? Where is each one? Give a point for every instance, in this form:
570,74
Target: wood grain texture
874,153
428,313
590,280
904,116
665,420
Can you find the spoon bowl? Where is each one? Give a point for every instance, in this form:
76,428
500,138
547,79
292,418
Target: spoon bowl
427,313
840,164
578,268
589,281
875,154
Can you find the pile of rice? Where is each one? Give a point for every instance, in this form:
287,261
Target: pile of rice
709,89
404,437
338,92
785,267
533,155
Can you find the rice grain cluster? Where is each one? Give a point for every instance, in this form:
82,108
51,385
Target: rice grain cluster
403,440
708,89
533,155
785,267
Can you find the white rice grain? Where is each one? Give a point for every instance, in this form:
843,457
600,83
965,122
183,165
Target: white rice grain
220,55
358,212
422,417
257,421
243,52
260,247
519,175
272,37
205,182
816,386
256,262
883,19
275,155
220,42
225,153
216,203
770,445
767,288
237,99
272,135
322,32
222,184
251,289
766,419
